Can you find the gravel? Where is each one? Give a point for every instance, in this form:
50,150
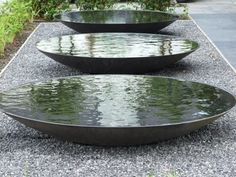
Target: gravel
209,151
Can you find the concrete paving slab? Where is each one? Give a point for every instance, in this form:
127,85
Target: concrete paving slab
212,6
219,27
217,21
217,18
229,50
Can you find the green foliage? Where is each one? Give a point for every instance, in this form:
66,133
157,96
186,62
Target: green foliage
95,4
162,5
13,16
184,15
47,9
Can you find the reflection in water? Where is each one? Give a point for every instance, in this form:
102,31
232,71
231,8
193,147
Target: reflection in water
115,100
117,17
116,45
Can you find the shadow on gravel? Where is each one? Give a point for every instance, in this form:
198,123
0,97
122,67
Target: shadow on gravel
23,138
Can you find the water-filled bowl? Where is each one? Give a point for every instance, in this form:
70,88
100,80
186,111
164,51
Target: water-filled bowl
116,20
117,53
116,110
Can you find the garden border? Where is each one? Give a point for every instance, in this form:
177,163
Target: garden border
18,51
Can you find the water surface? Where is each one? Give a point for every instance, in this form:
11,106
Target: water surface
116,45
116,100
117,17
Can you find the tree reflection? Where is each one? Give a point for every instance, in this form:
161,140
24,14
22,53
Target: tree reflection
94,16
117,101
58,98
178,100
148,17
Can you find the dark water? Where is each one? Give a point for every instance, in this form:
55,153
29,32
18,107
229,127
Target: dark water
116,17
116,45
116,100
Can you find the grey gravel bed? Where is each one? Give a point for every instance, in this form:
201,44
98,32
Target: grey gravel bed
210,151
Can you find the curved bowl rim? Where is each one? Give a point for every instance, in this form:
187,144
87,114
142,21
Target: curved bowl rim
110,58
122,127
57,17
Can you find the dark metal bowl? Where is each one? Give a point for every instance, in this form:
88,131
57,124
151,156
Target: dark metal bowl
117,53
116,110
116,21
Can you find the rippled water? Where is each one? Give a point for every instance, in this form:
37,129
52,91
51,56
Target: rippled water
116,100
116,45
116,17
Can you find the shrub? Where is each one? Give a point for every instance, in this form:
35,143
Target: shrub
95,4
46,9
13,16
162,5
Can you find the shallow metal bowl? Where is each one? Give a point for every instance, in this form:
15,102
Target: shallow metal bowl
116,110
116,20
117,53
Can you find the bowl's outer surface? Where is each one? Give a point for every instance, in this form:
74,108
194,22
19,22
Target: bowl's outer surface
114,136
117,21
